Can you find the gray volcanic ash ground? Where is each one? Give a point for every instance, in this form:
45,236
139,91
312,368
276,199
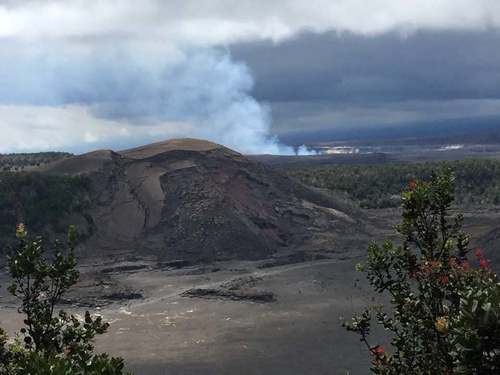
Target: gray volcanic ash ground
164,332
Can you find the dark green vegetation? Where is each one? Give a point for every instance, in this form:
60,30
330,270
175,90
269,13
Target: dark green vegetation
17,162
51,342
379,185
444,311
40,201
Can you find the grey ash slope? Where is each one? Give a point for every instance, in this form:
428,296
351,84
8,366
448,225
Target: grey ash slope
196,200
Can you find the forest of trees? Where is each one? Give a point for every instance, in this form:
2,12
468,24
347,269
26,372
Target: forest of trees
40,200
380,185
18,162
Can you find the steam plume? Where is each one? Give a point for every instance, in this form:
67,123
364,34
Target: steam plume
198,93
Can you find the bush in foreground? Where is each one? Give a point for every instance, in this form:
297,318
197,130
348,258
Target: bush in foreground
444,315
51,342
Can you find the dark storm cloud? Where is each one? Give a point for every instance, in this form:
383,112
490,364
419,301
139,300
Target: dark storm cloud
342,80
345,68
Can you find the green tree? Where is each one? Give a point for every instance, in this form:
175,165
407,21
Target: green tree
444,315
51,342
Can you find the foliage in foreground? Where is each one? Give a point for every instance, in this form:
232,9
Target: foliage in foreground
444,315
51,342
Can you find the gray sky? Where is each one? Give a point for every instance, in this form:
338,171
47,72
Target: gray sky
349,80
78,75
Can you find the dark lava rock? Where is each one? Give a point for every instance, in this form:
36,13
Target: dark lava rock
239,289
123,296
234,295
175,264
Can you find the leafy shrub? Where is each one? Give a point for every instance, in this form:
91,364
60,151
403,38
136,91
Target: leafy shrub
51,342
444,315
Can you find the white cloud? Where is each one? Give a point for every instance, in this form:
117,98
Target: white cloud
224,21
42,128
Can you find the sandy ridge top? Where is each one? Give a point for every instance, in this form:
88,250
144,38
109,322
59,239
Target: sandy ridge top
184,144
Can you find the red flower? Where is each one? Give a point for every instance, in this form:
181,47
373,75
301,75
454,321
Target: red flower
459,265
429,268
412,184
444,279
378,350
484,264
478,253
379,353
465,265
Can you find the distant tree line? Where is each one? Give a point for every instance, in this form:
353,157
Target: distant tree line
18,162
41,201
380,185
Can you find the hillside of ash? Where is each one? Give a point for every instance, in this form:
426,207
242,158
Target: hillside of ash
185,199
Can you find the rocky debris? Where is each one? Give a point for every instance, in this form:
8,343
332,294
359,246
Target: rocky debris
125,268
298,257
201,271
241,282
123,296
91,303
239,289
93,300
233,295
175,264
98,289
